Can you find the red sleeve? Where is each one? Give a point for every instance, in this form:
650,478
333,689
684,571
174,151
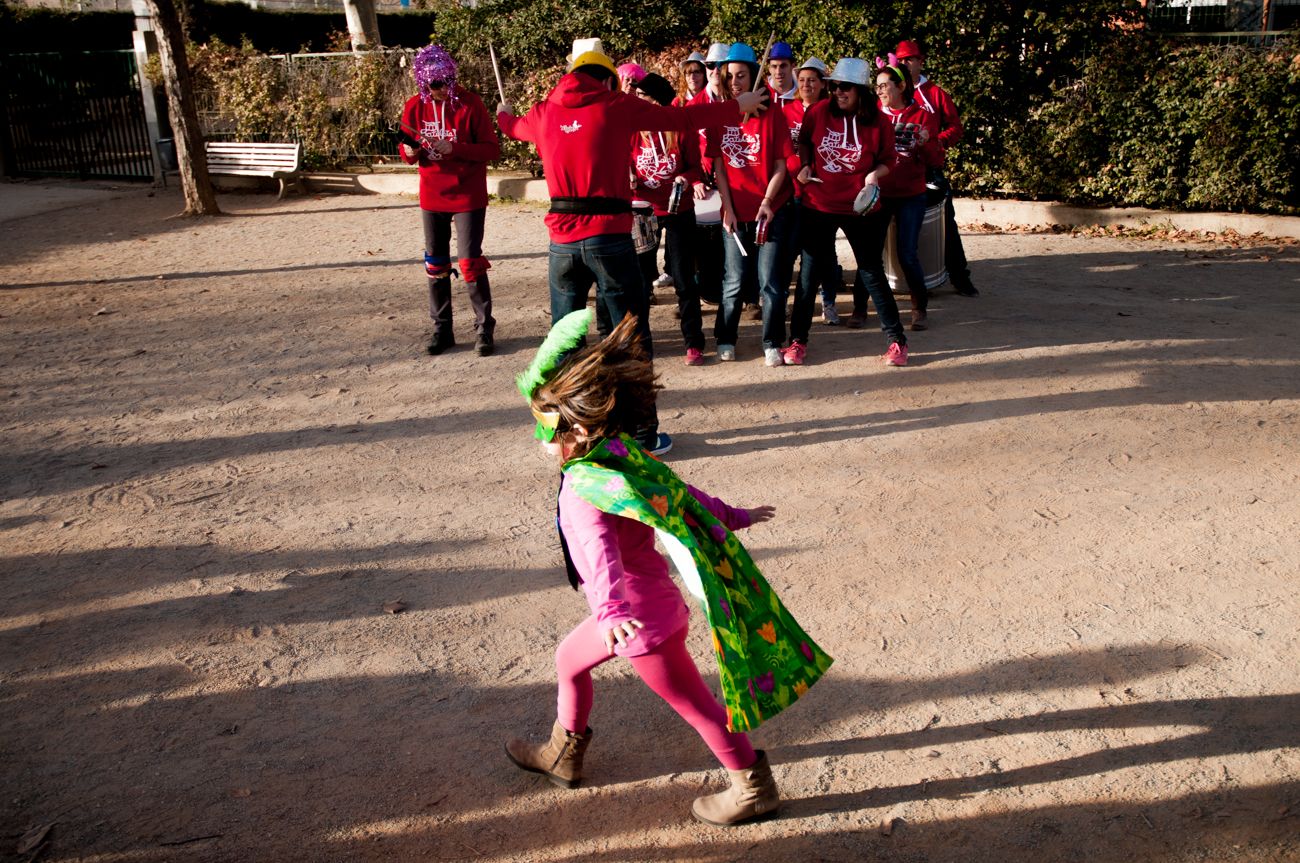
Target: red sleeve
932,151
949,122
644,116
733,518
520,128
411,122
483,145
885,152
689,146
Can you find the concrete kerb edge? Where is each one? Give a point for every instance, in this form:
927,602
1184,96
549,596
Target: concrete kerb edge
999,213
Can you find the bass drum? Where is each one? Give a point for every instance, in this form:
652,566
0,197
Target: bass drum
929,249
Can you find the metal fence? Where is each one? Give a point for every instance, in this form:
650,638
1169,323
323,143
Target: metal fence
76,115
1257,22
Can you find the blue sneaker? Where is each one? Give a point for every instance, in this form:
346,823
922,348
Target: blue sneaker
662,443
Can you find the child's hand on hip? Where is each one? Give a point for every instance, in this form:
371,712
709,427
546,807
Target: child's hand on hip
621,634
761,513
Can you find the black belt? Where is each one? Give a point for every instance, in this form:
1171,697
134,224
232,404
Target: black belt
593,206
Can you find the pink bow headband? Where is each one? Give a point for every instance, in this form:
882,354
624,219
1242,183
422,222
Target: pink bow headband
892,64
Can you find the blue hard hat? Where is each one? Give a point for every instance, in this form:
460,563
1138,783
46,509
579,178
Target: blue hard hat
741,53
781,51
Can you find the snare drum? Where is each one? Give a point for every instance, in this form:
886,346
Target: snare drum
709,210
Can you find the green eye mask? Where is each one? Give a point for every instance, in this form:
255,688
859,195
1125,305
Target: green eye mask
567,334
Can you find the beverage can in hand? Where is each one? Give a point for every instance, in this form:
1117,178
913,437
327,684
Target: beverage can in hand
675,197
760,235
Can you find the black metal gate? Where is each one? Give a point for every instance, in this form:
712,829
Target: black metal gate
75,115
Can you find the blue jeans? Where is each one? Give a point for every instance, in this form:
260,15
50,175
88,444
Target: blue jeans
910,213
608,261
768,267
866,236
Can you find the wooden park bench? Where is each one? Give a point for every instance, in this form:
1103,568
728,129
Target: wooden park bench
281,162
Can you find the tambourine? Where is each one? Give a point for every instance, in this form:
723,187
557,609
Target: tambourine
868,200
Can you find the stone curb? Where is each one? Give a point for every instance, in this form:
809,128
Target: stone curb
999,213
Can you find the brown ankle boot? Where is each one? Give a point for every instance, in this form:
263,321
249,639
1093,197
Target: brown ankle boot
752,796
559,759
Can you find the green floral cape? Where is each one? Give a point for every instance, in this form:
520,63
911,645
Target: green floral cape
765,659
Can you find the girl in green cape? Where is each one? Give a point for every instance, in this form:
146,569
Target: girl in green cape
614,500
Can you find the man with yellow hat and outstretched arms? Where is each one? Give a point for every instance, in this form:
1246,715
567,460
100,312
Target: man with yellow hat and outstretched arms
582,130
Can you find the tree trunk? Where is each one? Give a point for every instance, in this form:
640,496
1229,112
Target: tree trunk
200,199
363,24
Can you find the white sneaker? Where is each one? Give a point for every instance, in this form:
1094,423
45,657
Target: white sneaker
726,353
772,357
664,281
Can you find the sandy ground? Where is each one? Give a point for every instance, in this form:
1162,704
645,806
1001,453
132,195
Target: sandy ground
1055,557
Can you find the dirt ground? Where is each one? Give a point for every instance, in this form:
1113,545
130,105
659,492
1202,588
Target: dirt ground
1055,557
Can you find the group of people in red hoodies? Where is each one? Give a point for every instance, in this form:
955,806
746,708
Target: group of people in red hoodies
784,182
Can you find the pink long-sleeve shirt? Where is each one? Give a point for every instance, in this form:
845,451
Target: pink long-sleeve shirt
622,574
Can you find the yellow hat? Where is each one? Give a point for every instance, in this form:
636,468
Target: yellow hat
594,58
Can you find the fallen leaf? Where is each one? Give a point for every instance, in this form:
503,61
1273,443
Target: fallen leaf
887,826
101,311
241,792
395,606
32,839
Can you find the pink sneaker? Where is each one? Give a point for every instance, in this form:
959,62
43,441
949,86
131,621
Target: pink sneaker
896,355
795,353
694,357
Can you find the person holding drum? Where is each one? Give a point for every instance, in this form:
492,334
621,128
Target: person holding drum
846,147
666,165
902,193
935,100
810,83
708,203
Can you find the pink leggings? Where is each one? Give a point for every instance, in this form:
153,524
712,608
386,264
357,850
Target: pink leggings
668,670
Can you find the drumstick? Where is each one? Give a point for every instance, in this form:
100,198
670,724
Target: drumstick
496,70
762,66
739,245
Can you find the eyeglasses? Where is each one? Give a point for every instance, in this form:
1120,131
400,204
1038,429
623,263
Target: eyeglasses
711,66
694,71
885,85
842,86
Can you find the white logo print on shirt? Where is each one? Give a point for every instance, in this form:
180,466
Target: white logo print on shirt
435,130
838,155
571,128
655,168
740,149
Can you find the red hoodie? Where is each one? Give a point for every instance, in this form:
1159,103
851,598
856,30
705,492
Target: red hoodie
456,182
936,100
658,158
749,153
844,151
582,130
907,175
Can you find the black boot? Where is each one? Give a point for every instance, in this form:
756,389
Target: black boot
483,346
441,341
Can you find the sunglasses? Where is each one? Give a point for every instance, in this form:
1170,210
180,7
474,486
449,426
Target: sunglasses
711,66
842,86
437,85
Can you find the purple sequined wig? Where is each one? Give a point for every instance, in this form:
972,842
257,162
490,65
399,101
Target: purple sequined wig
433,63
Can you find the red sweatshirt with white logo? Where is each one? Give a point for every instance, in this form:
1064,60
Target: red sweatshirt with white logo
911,157
844,151
749,153
455,182
658,158
582,130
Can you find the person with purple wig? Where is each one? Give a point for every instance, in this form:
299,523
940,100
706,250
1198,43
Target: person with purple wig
447,131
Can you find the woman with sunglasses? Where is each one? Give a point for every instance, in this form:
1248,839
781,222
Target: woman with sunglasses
846,148
902,193
446,130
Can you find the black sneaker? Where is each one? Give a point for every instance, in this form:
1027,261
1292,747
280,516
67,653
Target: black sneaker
483,345
440,343
966,290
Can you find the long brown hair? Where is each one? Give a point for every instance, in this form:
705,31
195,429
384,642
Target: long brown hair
607,388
